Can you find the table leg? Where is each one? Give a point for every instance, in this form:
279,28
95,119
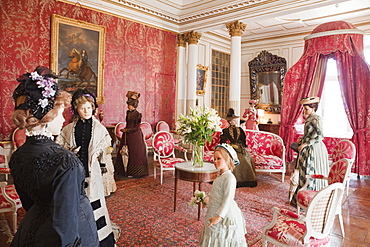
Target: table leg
199,205
175,193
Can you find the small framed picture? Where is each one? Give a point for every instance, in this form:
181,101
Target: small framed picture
201,79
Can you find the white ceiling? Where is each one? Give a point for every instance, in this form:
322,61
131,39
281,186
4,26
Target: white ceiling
264,18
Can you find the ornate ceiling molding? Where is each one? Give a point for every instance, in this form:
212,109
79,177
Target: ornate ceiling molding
191,17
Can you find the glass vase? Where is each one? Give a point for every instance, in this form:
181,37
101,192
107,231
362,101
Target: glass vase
198,156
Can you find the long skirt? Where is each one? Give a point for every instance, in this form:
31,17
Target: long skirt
137,165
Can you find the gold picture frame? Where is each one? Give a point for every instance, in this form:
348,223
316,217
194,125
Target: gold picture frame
201,79
77,55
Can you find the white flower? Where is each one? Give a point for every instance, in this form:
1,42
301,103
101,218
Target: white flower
43,102
197,198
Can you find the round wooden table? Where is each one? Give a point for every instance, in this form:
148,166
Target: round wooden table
186,171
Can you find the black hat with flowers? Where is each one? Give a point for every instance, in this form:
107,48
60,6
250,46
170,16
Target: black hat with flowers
37,91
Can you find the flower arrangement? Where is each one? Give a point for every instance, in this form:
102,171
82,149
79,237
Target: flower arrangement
197,128
197,198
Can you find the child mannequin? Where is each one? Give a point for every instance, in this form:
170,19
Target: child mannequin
224,224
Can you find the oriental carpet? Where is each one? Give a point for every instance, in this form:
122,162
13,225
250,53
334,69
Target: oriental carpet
143,210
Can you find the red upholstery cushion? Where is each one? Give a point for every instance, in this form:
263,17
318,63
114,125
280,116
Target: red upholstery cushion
209,156
290,232
304,197
118,129
163,126
264,143
146,128
19,137
4,170
2,159
266,161
342,150
12,193
168,162
210,146
337,172
163,144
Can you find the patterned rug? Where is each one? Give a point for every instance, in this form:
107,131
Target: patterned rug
143,209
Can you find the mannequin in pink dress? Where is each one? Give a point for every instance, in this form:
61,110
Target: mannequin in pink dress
251,115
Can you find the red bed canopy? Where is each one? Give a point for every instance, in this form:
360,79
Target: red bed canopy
343,42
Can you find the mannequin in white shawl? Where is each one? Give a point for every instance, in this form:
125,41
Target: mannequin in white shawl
91,142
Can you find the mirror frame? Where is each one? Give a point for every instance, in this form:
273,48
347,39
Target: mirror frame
267,62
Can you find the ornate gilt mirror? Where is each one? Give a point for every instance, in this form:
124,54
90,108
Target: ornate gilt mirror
267,73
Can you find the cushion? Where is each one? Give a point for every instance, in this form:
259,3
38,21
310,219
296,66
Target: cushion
168,162
12,193
266,161
304,197
290,232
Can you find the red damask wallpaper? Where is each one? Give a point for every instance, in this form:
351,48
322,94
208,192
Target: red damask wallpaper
137,57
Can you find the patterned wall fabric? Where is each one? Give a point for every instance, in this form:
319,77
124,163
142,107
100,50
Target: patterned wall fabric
137,58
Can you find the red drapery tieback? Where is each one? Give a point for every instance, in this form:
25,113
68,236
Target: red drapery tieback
360,130
287,125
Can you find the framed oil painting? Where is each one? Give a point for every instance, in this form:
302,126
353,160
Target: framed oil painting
201,79
77,55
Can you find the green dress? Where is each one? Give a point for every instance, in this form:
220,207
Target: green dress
313,159
245,172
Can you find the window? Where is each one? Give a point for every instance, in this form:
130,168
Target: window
220,81
334,118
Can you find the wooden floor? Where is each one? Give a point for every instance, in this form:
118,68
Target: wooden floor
356,216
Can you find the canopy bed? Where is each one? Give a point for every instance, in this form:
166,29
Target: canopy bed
343,42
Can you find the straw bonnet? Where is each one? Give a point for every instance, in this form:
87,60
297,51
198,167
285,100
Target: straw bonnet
230,114
309,100
231,152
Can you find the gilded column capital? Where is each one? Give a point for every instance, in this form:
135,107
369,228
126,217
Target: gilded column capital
236,28
192,37
181,39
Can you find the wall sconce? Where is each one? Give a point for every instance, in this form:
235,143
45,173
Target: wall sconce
261,115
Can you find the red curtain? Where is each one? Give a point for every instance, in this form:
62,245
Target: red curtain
354,76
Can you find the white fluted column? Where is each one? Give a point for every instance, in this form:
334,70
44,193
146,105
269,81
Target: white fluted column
236,29
192,39
181,76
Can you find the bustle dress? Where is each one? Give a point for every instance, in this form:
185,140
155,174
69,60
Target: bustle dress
245,172
230,230
313,159
252,116
137,165
50,182
94,139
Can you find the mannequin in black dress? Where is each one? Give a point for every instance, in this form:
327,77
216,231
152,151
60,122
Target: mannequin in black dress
49,179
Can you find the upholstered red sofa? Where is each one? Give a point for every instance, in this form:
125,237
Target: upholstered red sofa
267,150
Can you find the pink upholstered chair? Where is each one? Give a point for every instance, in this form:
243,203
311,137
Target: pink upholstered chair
4,166
118,135
9,199
164,126
337,174
344,149
290,229
164,156
18,137
147,130
224,123
209,148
